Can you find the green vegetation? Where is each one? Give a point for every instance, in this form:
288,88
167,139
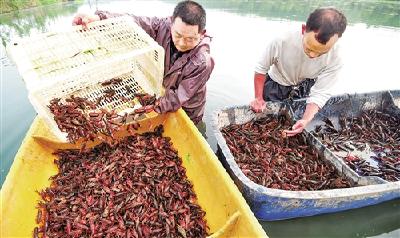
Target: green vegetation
17,19
370,12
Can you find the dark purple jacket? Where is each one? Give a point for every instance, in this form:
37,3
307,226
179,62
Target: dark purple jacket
185,80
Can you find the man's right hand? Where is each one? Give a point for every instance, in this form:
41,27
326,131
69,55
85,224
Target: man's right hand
84,19
258,105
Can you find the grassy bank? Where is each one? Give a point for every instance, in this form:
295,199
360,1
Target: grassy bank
7,6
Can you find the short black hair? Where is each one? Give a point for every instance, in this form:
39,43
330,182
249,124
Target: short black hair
191,13
326,22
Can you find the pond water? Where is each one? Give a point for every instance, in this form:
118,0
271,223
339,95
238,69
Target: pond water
240,29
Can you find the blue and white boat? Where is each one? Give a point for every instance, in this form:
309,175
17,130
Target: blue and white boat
276,204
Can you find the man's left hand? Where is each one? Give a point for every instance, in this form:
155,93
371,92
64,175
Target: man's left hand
297,128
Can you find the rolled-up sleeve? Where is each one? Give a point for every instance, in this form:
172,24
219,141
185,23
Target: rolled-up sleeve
175,98
321,91
267,58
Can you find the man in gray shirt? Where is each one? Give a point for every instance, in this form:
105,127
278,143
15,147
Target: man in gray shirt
301,64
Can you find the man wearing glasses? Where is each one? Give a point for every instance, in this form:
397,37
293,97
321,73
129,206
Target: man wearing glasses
187,65
301,64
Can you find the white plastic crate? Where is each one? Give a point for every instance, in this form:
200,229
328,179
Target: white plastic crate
76,62
80,86
45,58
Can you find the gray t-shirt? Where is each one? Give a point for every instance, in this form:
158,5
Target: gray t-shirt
287,64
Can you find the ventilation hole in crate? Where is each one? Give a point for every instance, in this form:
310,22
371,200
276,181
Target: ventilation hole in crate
155,55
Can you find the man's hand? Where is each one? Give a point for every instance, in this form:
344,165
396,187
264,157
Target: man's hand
84,19
157,106
297,128
258,105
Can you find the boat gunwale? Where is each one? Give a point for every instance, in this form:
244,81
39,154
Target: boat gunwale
340,193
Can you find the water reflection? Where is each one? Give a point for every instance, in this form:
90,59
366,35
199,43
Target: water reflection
16,113
26,22
371,57
370,221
